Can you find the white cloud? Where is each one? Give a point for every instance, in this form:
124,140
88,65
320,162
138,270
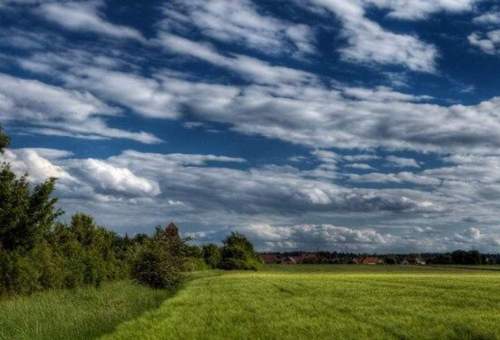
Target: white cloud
314,237
488,18
360,166
400,177
369,43
85,16
111,178
32,162
272,204
421,9
291,105
251,68
239,22
49,109
488,42
402,162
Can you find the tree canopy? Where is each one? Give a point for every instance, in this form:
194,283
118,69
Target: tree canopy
4,140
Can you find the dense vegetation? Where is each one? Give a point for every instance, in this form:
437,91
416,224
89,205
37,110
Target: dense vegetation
37,252
457,257
329,302
80,313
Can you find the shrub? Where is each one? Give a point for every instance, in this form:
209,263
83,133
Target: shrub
156,268
193,264
50,266
238,253
211,255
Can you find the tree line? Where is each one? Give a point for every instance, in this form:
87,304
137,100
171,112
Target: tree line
38,252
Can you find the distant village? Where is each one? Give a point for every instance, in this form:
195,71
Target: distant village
458,257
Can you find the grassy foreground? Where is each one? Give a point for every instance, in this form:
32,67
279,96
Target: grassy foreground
329,302
83,313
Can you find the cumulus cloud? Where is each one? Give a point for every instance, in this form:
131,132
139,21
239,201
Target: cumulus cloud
239,22
111,178
269,203
214,189
85,16
488,42
369,43
487,39
81,91
415,10
488,18
313,237
54,110
402,162
321,117
251,68
279,102
33,163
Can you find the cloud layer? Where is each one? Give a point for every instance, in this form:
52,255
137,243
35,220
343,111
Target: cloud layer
361,125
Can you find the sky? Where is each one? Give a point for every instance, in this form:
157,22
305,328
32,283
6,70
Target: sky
363,125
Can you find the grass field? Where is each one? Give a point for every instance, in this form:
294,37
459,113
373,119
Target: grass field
329,302
278,302
83,313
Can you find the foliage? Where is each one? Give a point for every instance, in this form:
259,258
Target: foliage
466,257
26,215
4,140
159,263
194,264
212,255
238,253
37,252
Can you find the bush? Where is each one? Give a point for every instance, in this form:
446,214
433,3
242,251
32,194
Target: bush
193,264
211,255
238,253
50,266
156,268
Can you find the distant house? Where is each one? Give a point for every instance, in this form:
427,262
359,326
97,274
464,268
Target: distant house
413,260
370,260
289,260
354,260
269,258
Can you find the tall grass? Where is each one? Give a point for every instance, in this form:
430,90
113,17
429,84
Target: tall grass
332,303
82,313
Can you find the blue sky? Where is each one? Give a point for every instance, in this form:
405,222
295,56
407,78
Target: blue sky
364,125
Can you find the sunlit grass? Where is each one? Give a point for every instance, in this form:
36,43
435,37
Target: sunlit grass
83,313
329,302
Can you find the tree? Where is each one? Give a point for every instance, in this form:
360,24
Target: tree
26,214
211,255
4,140
238,253
161,259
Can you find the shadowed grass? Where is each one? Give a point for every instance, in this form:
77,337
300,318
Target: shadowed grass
329,302
83,313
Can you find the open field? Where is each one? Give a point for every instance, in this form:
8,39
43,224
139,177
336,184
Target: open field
278,302
329,302
82,313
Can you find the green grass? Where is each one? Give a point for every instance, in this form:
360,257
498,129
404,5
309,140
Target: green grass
329,302
83,313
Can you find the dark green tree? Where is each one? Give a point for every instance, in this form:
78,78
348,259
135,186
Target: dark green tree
238,253
211,255
4,140
26,214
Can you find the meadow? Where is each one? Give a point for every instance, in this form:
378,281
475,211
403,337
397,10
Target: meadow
277,302
81,313
329,302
